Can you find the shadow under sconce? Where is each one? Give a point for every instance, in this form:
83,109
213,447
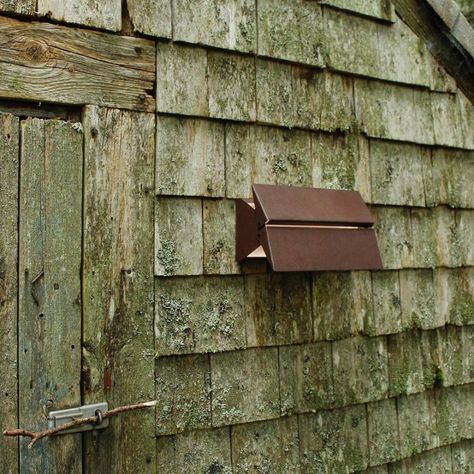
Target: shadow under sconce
306,229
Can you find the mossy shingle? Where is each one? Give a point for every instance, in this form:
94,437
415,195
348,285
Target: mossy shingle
205,451
291,30
334,440
266,447
306,379
360,370
178,236
219,237
198,314
189,157
181,74
220,23
341,303
183,393
278,309
231,86
245,386
417,423
405,363
385,318
384,444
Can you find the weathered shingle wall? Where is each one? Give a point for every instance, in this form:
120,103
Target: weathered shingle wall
328,372
257,371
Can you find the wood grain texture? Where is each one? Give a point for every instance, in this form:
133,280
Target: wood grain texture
386,315
360,370
435,460
118,356
189,157
9,165
231,80
340,162
181,73
178,236
467,114
51,63
380,9
447,120
49,287
417,423
220,23
277,309
396,171
393,111
341,303
105,14
22,7
266,155
218,225
151,17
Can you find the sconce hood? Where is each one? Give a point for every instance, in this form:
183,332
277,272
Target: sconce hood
306,229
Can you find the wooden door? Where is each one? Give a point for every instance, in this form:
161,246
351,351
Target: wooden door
77,287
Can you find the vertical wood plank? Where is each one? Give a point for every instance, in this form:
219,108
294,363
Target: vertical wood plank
49,287
9,166
118,355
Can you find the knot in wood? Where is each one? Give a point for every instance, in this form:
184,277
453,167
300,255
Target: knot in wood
36,52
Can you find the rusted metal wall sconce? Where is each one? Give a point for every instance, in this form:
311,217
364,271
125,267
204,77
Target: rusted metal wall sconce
306,229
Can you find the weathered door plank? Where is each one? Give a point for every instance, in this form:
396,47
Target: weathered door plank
52,63
9,169
118,359
49,287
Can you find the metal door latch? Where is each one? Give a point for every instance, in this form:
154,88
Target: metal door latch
61,417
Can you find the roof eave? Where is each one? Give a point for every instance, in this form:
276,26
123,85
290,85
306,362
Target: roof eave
448,35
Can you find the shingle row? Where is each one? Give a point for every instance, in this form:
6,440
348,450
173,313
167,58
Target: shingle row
348,439
227,388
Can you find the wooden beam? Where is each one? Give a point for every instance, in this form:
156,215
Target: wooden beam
52,63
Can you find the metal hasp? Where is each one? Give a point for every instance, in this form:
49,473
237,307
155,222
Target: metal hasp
306,229
61,417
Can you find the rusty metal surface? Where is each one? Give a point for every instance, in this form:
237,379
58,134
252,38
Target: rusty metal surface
303,205
245,229
318,249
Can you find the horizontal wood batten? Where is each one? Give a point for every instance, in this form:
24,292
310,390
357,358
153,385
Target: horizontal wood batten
51,63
